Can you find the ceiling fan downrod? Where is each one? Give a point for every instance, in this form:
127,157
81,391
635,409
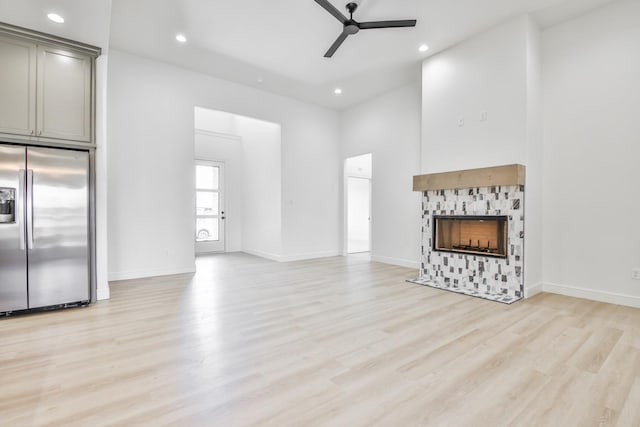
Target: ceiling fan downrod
351,8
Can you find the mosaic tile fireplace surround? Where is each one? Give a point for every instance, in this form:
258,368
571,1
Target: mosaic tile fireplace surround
472,265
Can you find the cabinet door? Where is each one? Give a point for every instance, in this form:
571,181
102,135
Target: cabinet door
64,94
17,87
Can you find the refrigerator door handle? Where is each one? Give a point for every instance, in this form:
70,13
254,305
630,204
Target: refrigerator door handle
20,207
30,209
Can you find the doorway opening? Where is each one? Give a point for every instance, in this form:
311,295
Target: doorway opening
238,199
358,173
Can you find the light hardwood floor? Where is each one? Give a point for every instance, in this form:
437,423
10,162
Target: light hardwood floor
336,341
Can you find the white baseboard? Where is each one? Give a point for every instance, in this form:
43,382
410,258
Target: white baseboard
396,261
311,255
532,290
103,293
128,275
290,258
601,296
261,254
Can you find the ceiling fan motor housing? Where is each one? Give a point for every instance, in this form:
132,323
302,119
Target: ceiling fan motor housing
351,28
351,7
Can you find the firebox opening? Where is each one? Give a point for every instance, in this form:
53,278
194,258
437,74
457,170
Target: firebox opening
479,235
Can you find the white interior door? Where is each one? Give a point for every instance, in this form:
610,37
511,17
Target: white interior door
210,215
358,215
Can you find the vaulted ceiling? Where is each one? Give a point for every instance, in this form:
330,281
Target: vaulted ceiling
278,45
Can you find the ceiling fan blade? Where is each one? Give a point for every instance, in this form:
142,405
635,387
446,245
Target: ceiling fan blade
332,10
341,38
387,24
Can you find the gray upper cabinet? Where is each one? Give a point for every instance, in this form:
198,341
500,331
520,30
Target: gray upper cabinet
46,88
64,94
17,86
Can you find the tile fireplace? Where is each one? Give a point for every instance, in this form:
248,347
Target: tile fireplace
473,232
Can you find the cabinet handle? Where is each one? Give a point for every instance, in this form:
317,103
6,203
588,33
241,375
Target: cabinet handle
32,131
39,133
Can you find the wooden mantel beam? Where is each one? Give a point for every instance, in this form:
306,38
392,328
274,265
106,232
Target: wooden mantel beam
471,178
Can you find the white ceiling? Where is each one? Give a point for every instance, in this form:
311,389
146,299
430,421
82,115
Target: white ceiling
278,45
85,21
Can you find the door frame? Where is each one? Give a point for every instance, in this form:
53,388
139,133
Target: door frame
222,189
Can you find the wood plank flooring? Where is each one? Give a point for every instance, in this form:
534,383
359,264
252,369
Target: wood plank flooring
330,342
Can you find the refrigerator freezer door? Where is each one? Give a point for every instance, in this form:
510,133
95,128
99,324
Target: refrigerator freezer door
13,256
57,226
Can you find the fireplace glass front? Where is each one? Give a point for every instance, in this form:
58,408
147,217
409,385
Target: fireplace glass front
478,235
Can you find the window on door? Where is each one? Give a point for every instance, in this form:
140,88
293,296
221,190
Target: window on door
209,206
207,202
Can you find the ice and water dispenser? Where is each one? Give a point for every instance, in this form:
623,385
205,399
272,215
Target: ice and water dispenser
7,205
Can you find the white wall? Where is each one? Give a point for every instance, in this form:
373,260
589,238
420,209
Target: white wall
228,149
486,73
533,227
150,170
591,150
215,121
262,192
311,180
496,73
389,128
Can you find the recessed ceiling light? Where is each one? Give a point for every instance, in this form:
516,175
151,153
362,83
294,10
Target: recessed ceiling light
55,18
181,38
423,48
260,80
337,91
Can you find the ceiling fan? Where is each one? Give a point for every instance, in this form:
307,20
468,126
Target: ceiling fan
351,26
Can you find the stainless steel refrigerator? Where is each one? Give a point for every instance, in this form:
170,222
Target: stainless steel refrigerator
44,228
